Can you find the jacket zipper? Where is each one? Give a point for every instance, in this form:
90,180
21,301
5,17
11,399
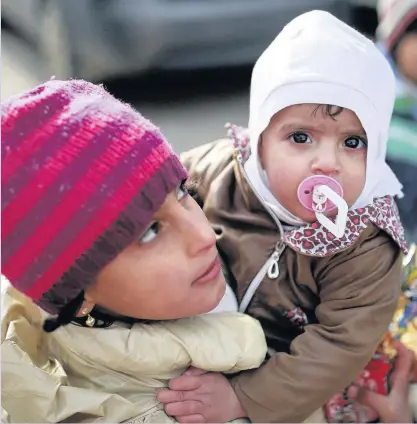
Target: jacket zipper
271,266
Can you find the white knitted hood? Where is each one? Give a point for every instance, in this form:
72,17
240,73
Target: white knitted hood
319,59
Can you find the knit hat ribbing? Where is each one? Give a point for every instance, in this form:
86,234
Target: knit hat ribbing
395,16
82,175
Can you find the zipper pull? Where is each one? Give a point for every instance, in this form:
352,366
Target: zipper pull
273,269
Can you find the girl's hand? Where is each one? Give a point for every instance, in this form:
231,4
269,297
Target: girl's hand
201,397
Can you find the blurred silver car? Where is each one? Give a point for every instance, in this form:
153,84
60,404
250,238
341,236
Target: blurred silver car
101,39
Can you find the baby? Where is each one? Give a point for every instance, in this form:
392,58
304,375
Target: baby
302,205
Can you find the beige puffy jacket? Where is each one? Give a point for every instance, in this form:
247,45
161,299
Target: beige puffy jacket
110,375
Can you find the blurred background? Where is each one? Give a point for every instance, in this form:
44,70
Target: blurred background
185,64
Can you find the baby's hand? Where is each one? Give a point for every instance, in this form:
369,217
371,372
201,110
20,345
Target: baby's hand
200,397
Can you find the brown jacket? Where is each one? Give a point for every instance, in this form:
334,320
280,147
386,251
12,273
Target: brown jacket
331,303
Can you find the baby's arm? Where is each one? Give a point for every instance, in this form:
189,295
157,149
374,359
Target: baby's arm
359,290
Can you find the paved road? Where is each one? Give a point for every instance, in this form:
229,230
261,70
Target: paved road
191,108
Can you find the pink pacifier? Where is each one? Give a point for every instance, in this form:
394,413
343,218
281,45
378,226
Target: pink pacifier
317,202
320,194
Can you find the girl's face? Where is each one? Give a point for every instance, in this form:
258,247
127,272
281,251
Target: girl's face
303,140
172,271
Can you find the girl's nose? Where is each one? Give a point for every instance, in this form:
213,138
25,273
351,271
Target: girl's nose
200,236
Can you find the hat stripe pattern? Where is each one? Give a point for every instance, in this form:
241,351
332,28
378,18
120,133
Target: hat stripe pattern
20,125
58,189
39,227
39,145
67,180
44,183
81,241
30,136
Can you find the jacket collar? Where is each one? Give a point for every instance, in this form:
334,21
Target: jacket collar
315,240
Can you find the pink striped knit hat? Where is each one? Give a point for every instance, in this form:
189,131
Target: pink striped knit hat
395,16
82,175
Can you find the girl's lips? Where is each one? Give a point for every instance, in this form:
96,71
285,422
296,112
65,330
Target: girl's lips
211,273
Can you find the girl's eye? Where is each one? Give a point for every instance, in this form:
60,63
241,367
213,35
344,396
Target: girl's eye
300,138
150,233
182,191
153,231
355,143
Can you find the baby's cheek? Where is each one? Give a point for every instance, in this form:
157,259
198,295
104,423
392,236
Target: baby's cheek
354,189
283,184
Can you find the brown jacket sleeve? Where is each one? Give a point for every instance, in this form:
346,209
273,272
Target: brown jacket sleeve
359,290
205,163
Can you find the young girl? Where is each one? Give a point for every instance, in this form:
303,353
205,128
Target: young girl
323,289
397,33
99,231
397,36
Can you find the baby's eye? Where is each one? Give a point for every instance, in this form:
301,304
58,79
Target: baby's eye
355,142
300,137
150,233
182,191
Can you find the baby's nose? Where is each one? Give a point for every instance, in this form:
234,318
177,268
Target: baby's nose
326,163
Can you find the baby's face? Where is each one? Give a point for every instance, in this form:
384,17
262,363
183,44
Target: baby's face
303,140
